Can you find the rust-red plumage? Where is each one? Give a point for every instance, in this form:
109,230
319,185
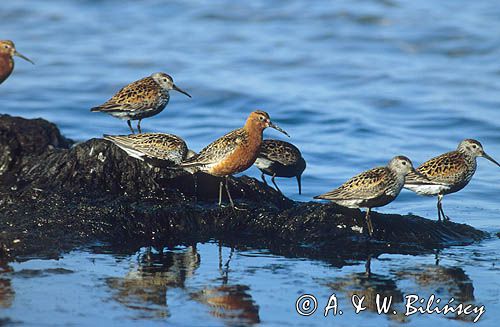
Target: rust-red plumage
7,53
233,153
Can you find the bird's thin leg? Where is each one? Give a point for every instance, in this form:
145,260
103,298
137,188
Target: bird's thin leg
195,184
263,178
369,222
139,126
276,185
130,126
225,276
368,269
445,217
229,193
439,207
220,194
220,256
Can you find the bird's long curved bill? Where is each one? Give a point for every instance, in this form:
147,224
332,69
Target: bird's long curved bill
24,57
180,90
276,127
491,159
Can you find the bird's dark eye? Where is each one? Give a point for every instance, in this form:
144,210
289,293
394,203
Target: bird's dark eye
6,46
261,118
404,163
474,146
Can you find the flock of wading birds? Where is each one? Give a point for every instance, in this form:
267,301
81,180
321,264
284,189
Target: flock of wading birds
241,148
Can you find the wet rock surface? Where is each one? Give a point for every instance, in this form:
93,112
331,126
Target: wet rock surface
56,195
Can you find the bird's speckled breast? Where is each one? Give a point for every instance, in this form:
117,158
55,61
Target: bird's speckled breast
461,180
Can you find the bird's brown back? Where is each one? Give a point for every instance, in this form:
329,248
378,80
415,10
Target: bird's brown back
447,168
136,96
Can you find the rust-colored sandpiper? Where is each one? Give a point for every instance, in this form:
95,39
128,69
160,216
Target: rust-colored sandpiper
447,173
7,53
140,99
234,152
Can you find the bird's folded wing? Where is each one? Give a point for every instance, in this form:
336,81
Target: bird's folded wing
438,170
152,145
135,96
217,151
116,107
369,184
278,153
417,179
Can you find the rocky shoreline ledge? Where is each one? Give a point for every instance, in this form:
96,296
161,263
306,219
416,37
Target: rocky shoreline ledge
56,195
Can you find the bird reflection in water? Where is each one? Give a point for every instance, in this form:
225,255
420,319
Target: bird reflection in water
6,291
368,285
444,282
144,288
230,302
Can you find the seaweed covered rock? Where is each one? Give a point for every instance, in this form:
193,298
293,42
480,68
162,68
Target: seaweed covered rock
55,195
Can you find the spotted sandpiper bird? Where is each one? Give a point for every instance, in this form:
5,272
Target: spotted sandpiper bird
447,173
140,99
280,159
373,188
7,53
162,148
234,152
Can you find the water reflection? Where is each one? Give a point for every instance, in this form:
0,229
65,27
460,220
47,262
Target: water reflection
6,291
452,281
444,282
144,288
176,287
230,302
370,285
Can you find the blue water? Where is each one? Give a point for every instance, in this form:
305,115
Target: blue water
354,83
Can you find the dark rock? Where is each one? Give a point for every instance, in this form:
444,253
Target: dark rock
55,195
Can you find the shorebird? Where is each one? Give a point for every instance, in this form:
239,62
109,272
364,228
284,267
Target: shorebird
7,53
447,173
280,159
234,152
373,188
140,99
160,148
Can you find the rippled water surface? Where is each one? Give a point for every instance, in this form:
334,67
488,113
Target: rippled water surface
354,83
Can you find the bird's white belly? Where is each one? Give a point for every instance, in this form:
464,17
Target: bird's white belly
427,189
262,163
121,115
349,203
131,152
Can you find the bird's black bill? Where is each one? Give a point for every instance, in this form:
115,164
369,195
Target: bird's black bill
24,57
276,127
180,90
299,183
491,159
